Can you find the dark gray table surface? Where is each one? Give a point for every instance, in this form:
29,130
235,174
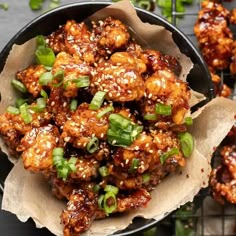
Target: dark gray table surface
11,21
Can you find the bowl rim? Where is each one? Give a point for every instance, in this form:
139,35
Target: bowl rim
7,48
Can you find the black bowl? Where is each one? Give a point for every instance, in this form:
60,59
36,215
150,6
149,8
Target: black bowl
199,78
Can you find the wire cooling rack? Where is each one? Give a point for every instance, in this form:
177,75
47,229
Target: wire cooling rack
206,217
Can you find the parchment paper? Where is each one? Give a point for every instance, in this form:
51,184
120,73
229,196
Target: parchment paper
28,195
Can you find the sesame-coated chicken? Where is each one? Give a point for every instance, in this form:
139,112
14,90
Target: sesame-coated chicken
13,127
155,61
30,78
84,125
121,82
37,146
111,35
223,178
233,60
59,107
163,87
73,69
214,37
104,124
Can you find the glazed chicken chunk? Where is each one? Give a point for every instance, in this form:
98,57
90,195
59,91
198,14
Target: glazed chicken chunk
30,78
37,146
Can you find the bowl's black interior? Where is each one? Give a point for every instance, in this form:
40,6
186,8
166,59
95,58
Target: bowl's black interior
199,78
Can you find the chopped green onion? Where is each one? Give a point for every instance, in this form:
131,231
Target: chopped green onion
57,151
188,121
40,40
44,94
112,189
48,68
146,178
149,116
118,138
108,199
134,165
40,105
13,110
19,86
119,121
186,143
166,155
73,104
96,188
4,6
58,78
103,171
162,109
82,81
64,167
20,101
45,78
36,4
45,55
54,4
92,145
122,131
97,100
105,111
100,201
24,113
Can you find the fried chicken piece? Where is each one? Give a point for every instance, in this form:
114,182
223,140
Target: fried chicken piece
80,212
13,127
59,107
84,125
155,61
214,37
163,87
37,146
73,69
61,189
233,60
122,83
86,169
232,18
145,151
111,35
223,178
136,199
56,40
30,77
80,41
127,58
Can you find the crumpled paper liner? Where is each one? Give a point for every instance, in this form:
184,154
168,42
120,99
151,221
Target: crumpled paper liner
28,195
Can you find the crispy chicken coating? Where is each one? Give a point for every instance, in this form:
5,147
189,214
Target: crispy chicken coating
146,152
37,146
137,199
223,178
111,35
121,82
233,60
30,77
214,37
155,61
86,170
84,125
73,69
79,41
59,107
232,18
80,212
13,127
56,40
163,87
